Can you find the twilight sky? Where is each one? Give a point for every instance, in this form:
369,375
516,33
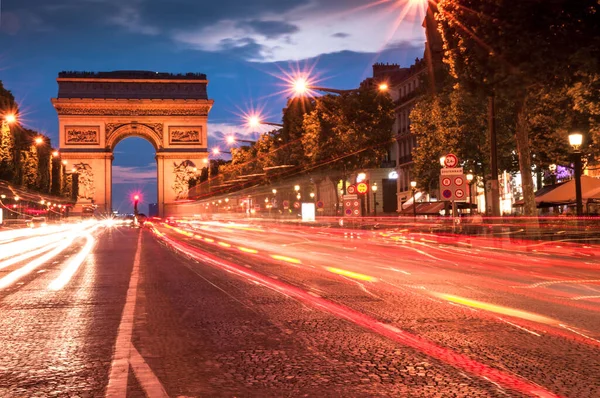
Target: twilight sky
244,46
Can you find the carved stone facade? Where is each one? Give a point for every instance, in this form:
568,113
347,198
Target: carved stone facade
185,135
80,135
95,115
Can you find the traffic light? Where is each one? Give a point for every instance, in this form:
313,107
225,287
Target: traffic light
136,199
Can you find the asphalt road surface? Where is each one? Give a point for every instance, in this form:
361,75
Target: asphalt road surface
215,309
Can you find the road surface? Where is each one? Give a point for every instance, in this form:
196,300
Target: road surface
231,309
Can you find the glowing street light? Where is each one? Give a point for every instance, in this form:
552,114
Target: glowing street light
443,161
301,86
39,140
10,118
255,121
274,191
576,139
64,162
55,154
383,87
296,188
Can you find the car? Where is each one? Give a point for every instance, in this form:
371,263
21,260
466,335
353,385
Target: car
36,222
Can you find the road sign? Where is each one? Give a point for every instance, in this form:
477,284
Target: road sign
455,171
451,160
453,188
286,204
296,205
320,204
351,205
351,189
362,187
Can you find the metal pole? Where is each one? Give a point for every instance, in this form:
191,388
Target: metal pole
495,191
578,196
375,204
414,205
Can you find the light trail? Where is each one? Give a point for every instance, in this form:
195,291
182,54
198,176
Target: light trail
31,266
496,309
27,255
350,274
429,348
70,270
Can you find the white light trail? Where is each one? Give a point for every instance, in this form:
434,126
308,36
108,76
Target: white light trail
27,269
67,273
25,256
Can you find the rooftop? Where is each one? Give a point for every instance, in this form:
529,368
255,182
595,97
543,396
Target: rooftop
131,74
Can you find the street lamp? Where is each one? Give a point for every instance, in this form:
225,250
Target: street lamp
39,140
255,121
443,161
470,182
374,189
413,188
274,191
296,188
10,118
302,86
312,195
576,139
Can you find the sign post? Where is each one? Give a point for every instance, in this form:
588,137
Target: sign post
453,183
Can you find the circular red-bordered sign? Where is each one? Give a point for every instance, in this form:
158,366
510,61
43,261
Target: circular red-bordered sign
459,181
348,212
459,193
296,205
362,187
446,182
451,161
356,212
356,203
351,189
348,204
447,193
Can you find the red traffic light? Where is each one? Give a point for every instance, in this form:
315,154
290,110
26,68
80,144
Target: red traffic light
136,197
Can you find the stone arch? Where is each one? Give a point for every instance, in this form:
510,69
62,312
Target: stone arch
116,133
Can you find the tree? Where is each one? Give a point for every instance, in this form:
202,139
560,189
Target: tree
8,106
348,132
516,48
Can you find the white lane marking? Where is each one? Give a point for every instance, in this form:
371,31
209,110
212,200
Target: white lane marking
119,368
520,327
125,354
66,275
579,333
148,380
585,297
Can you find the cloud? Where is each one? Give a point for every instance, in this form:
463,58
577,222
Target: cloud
341,35
130,19
134,175
309,30
269,29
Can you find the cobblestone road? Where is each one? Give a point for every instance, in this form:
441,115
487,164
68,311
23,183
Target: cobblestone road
238,312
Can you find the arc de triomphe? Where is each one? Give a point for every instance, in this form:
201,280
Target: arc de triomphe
98,110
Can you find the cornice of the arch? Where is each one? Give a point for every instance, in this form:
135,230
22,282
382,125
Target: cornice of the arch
116,132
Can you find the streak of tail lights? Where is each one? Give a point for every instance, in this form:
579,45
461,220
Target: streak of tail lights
446,355
523,318
350,274
496,308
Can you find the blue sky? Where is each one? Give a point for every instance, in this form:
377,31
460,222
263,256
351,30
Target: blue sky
243,46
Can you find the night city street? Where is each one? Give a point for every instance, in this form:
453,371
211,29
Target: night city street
237,309
299,198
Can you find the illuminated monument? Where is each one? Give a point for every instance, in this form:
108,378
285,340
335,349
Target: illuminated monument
98,110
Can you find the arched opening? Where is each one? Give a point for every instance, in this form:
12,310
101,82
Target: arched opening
134,172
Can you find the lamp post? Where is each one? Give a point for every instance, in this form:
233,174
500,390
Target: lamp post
374,189
413,188
552,169
470,182
576,139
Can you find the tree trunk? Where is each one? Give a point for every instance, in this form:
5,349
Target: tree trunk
524,153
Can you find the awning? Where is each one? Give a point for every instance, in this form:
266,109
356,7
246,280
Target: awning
425,208
564,193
